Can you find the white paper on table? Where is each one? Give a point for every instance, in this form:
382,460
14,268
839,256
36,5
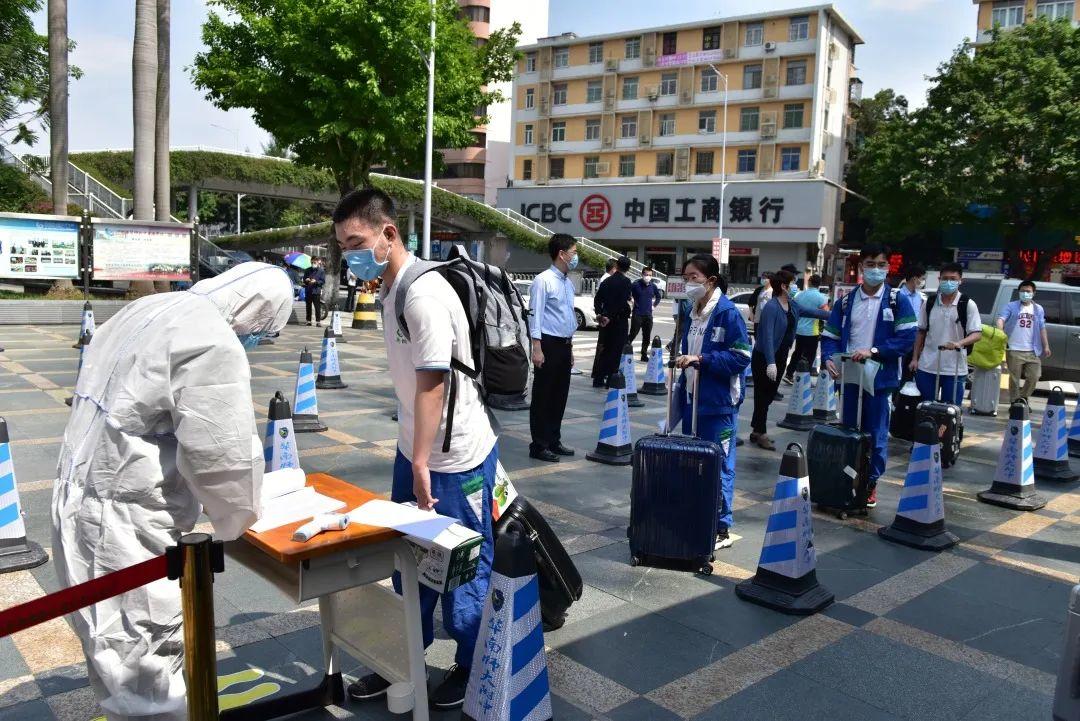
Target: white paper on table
297,506
409,520
277,483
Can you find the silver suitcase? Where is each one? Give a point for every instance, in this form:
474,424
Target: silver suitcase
985,389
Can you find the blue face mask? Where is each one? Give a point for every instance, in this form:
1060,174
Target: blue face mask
363,265
948,287
572,263
874,276
250,340
1027,296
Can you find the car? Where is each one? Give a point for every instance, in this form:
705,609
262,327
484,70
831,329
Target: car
583,305
742,302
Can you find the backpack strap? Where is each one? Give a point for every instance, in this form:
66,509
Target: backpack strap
402,284
961,310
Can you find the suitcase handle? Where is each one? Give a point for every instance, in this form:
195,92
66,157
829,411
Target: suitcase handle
937,376
676,344
844,358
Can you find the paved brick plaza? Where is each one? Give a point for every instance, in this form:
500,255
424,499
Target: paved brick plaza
973,633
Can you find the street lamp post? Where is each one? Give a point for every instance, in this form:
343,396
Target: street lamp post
429,143
723,162
239,197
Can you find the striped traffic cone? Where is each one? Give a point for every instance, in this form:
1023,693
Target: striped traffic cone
825,399
1074,432
800,415
84,341
613,447
329,368
364,314
632,399
920,517
305,401
87,324
335,325
16,552
509,678
1052,448
1014,480
279,446
654,384
786,578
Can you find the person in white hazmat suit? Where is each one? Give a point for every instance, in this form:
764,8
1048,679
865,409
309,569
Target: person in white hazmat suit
162,426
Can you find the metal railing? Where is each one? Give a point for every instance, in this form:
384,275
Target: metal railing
83,189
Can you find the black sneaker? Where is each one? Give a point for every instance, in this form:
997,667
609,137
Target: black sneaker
369,687
451,692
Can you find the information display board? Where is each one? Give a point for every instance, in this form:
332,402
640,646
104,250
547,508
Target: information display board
141,251
39,246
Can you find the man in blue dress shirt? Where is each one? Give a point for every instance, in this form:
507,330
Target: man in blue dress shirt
551,328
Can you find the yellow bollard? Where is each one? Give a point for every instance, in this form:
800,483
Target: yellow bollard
364,315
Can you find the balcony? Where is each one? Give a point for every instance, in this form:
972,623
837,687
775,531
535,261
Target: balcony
855,88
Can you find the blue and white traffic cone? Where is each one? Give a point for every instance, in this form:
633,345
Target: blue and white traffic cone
279,446
613,447
654,384
16,552
1052,448
305,401
632,399
825,399
329,368
1014,480
508,680
786,578
920,517
87,325
1074,432
800,415
335,325
84,341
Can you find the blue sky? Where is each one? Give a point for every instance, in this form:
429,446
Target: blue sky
905,41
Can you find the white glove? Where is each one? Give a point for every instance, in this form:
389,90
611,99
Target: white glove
771,371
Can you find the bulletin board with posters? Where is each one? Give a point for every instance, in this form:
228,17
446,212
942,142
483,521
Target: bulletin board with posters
839,290
39,246
141,250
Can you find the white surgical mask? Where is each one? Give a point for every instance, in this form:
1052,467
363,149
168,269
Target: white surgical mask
695,291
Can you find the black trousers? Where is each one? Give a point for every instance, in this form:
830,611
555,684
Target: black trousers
805,349
314,300
644,324
765,389
551,386
613,339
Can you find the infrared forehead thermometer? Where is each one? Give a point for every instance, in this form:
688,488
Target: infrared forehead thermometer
323,522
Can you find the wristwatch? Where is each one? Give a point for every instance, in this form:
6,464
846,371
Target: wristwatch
873,351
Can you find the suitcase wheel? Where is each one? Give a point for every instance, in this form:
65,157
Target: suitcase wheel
706,570
842,515
635,561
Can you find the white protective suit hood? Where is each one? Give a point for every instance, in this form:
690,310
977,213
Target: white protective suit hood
161,427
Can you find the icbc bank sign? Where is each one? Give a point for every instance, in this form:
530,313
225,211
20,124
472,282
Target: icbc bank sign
594,213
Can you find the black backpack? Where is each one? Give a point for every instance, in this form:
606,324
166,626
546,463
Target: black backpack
498,325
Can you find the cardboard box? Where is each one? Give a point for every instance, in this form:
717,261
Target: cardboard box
449,560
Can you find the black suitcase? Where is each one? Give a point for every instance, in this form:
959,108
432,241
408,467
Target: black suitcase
905,411
947,417
838,461
557,576
674,497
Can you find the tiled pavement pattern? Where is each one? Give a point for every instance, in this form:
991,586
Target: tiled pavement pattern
974,633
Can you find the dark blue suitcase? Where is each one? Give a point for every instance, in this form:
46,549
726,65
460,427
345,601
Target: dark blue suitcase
674,499
838,462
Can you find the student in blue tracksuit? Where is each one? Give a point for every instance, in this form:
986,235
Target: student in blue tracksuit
872,321
715,344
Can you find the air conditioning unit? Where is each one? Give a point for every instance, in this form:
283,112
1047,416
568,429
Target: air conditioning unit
644,140
686,96
603,168
818,169
729,53
542,147
653,93
827,139
770,47
611,65
830,95
768,130
770,91
607,142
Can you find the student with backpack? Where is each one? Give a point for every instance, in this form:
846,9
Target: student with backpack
950,320
447,451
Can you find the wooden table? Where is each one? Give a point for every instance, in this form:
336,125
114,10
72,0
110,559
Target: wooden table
342,570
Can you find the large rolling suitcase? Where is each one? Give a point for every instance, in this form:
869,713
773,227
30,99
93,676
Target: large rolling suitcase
558,578
674,496
906,402
838,460
947,416
985,391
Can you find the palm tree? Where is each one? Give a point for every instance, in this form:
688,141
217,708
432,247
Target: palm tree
58,104
144,71
162,194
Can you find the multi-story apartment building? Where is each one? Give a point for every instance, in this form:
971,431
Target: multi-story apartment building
1013,13
620,137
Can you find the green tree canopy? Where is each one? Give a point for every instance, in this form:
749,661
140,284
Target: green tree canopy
997,143
24,69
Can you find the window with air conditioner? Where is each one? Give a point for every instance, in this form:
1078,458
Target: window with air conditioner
755,34
558,94
667,124
592,129
528,134
530,98
591,161
530,62
627,165
1055,10
665,163
562,57
747,161
751,78
796,72
710,38
749,118
790,159
1007,13
557,169
799,29
594,91
526,169
628,126
558,131
709,80
596,53
669,44
793,115
629,88
633,48
707,121
703,164
669,82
